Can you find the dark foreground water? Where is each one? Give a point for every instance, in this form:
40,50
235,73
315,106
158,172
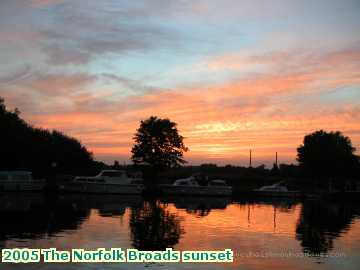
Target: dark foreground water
264,234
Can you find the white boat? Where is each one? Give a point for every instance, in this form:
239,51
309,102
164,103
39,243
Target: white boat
20,181
107,181
190,186
277,190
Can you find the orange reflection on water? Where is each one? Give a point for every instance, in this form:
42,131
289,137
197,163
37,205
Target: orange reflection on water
262,234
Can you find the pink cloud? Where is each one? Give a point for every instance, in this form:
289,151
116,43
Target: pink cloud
220,122
39,3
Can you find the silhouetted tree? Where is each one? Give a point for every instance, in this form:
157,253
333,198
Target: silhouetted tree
116,165
2,105
275,169
327,155
24,147
289,170
158,145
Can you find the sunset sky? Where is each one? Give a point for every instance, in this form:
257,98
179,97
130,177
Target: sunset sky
233,74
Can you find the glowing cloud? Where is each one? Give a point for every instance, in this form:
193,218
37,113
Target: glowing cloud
231,81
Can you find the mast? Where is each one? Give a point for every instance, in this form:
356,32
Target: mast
250,159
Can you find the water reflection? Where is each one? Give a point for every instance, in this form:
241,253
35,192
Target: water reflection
320,223
34,216
283,204
192,223
154,227
273,207
198,206
107,206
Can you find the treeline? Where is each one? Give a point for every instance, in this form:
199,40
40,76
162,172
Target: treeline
44,152
235,172
245,178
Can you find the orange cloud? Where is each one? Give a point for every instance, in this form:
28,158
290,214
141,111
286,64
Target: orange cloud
267,112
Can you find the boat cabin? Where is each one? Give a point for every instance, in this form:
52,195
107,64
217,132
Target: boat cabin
275,187
218,183
191,181
15,176
110,177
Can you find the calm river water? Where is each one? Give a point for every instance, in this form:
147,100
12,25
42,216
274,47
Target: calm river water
264,234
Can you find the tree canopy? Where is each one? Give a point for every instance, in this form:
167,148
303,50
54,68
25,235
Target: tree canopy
24,147
327,154
158,144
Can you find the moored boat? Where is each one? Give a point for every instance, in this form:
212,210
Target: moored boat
107,181
190,186
277,190
20,181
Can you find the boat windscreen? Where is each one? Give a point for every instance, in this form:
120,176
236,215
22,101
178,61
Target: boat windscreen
113,174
